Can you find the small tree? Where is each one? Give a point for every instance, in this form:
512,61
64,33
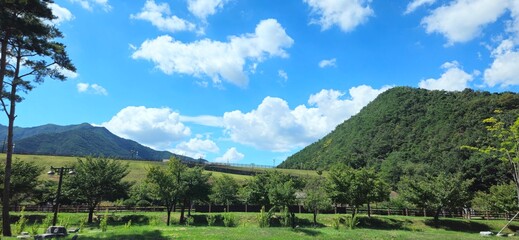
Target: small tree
505,144
24,181
224,190
500,198
196,186
436,192
166,185
96,180
316,196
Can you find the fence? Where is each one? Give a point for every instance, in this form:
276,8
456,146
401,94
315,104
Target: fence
467,213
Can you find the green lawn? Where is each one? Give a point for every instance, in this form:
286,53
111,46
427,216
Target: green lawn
151,226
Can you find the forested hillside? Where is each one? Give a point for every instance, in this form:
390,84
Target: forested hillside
407,131
81,140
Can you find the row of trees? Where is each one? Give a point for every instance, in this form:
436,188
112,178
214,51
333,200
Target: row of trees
29,53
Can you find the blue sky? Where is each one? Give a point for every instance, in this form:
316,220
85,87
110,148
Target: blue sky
254,81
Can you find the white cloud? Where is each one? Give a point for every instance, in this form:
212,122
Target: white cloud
82,87
328,63
463,20
91,88
159,16
217,60
62,14
347,14
274,126
196,148
453,79
232,155
504,71
154,127
204,8
513,25
205,120
415,4
89,4
283,74
67,73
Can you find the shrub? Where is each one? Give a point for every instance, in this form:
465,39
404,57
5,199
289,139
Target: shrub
336,223
263,218
351,223
190,221
229,220
128,224
20,225
103,224
211,219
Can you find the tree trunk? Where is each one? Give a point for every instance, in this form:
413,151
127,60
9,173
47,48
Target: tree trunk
369,210
6,223
315,217
437,214
189,209
169,215
353,212
182,210
91,214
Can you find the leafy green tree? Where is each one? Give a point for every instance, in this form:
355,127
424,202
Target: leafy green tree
166,184
139,195
24,181
505,144
197,188
501,198
28,50
96,180
255,190
356,187
436,192
224,190
316,196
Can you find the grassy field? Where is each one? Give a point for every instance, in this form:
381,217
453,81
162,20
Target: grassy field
151,226
138,169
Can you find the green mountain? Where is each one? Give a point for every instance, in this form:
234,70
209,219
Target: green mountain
413,131
80,140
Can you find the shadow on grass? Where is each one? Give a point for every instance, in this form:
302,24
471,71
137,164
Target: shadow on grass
457,225
308,232
384,223
151,235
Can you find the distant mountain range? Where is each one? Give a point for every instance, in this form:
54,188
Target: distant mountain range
79,140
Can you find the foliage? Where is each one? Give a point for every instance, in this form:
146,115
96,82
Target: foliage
24,180
211,219
96,180
229,220
20,225
407,131
317,197
263,218
128,224
103,224
505,144
271,188
356,187
436,192
501,198
351,221
224,190
336,223
190,220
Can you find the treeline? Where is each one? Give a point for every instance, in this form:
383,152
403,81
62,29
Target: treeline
176,186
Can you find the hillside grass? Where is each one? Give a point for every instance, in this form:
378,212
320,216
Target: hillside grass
138,169
152,226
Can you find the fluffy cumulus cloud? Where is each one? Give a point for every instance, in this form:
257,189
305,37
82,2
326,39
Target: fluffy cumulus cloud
62,14
154,127
204,8
196,148
159,15
504,71
91,88
328,63
415,4
274,126
453,79
214,59
463,20
231,156
347,14
90,4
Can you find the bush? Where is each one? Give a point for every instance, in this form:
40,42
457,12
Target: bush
229,220
263,218
190,221
20,225
336,223
128,224
211,219
104,222
350,222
